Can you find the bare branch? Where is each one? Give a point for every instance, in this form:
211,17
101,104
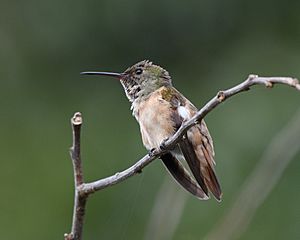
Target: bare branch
82,190
221,96
76,122
79,199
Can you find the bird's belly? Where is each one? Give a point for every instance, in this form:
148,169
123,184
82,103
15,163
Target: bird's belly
155,125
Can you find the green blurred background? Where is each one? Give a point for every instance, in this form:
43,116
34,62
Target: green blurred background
205,45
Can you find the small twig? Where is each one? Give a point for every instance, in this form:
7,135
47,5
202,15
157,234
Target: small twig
79,199
82,190
223,95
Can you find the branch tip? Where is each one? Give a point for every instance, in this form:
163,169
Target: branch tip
68,236
77,119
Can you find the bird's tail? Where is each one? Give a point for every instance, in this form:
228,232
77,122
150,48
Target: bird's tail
212,182
182,176
201,168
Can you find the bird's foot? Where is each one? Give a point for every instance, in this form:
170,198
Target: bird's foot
163,146
151,151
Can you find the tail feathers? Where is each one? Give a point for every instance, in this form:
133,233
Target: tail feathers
210,177
193,162
182,176
212,183
201,168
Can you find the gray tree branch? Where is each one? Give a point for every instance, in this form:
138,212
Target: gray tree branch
79,199
83,190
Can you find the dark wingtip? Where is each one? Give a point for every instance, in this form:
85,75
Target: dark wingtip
182,176
219,199
213,184
193,163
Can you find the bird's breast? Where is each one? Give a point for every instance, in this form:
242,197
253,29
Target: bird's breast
154,117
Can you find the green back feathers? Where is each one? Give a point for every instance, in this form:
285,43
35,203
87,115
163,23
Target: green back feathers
167,94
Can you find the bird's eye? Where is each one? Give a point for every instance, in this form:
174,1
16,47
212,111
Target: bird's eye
138,71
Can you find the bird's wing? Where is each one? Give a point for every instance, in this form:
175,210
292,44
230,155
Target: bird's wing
182,176
198,152
193,162
196,145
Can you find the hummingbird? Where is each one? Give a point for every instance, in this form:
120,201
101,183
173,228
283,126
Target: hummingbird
160,109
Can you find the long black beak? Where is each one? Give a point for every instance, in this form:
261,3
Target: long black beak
111,74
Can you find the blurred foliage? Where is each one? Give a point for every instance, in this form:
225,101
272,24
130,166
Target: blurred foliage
206,45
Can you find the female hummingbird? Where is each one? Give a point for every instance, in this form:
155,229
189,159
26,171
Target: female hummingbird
160,110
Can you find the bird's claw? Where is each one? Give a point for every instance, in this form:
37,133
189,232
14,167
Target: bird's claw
163,146
151,151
